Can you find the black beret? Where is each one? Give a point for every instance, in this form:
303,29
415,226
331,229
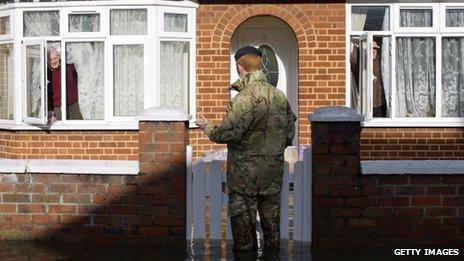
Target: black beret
247,50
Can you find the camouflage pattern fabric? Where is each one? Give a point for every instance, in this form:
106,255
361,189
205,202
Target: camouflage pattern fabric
259,125
242,210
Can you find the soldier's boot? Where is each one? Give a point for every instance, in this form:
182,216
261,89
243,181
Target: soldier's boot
242,211
244,232
269,213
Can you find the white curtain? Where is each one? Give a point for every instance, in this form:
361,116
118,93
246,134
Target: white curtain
128,78
41,23
174,73
88,58
386,19
415,74
175,22
129,22
455,18
453,69
415,18
34,81
4,25
415,69
84,22
358,18
385,61
6,81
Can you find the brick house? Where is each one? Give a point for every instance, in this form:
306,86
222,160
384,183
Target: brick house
132,55
308,43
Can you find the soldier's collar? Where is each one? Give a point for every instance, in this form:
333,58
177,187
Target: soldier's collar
243,81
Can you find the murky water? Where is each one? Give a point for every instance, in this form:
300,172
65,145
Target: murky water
31,251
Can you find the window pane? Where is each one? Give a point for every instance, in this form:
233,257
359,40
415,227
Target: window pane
33,81
370,18
129,22
84,23
416,18
415,76
128,79
41,23
174,73
85,84
455,18
269,64
4,25
453,77
6,81
175,22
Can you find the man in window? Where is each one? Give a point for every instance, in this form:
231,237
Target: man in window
258,126
379,102
54,89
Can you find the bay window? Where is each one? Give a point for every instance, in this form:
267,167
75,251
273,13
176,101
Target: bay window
420,63
114,61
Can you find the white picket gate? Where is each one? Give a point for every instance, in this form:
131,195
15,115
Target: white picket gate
205,183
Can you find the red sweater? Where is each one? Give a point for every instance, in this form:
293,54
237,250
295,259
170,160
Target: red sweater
54,86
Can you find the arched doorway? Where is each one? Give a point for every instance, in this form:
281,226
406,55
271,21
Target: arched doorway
277,42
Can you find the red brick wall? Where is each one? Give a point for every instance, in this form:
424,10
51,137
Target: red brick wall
412,143
148,207
94,145
354,209
96,207
320,33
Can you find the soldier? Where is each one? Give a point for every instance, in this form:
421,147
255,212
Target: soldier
258,126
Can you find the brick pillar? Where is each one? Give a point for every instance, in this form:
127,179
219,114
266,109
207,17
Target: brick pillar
163,137
336,134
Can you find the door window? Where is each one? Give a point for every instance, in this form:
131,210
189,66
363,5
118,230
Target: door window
269,64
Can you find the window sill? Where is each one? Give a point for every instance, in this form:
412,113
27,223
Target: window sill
415,122
72,126
412,167
88,167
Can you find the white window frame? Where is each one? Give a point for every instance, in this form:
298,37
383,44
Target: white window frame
437,32
151,26
171,10
443,26
64,104
151,42
21,16
190,106
348,20
366,93
42,119
102,12
435,8
148,92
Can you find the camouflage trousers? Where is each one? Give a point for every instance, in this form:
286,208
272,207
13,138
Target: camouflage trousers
242,210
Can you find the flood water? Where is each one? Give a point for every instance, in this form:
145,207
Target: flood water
31,251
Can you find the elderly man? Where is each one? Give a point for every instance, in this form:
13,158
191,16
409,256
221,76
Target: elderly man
258,126
54,89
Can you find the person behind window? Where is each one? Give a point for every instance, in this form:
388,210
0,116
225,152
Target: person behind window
379,102
54,89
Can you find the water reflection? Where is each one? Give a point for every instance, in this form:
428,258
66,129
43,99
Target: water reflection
32,251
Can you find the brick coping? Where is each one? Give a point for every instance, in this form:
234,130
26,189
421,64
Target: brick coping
108,167
416,167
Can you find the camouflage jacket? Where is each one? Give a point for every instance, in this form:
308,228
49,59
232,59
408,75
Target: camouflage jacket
259,123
